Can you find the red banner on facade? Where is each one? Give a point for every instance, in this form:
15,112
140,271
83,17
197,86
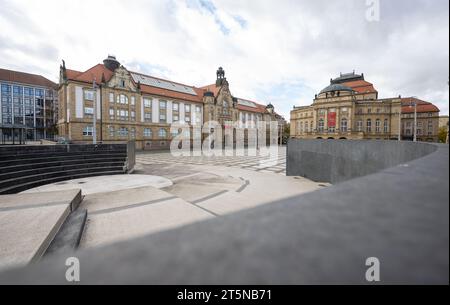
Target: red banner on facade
332,119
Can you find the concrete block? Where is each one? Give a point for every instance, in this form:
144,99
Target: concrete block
28,224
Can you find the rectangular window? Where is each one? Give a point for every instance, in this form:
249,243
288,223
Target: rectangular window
111,98
88,110
148,133
124,99
148,116
147,103
359,126
89,95
162,104
369,126
111,131
123,132
111,113
176,118
133,101
377,126
133,115
162,118
176,107
88,131
187,108
198,109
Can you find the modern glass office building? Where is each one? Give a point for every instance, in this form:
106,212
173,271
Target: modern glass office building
28,107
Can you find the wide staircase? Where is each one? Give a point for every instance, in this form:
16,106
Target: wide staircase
25,167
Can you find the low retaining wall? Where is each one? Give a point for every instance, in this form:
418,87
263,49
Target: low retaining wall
337,160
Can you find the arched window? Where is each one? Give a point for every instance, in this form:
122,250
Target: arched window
344,125
369,125
162,133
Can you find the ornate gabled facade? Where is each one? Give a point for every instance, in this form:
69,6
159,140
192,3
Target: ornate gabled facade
134,106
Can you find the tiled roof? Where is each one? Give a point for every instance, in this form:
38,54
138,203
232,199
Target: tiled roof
96,72
173,94
72,74
422,106
26,78
259,108
211,88
361,86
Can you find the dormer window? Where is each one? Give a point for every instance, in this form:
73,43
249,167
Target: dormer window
122,83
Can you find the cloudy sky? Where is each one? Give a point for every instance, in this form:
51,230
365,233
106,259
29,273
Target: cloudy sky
279,51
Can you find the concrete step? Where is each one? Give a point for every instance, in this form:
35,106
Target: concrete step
29,223
59,168
120,215
42,154
16,188
20,167
14,160
68,238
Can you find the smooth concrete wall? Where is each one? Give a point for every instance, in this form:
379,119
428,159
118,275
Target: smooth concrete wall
340,160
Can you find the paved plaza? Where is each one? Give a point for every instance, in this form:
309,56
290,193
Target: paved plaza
254,163
201,188
165,192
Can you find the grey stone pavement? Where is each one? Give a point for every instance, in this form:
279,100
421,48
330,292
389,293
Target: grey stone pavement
165,192
254,163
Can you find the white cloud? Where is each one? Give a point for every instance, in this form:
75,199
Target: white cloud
273,51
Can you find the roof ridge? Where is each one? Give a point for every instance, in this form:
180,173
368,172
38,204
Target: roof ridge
166,80
21,72
257,103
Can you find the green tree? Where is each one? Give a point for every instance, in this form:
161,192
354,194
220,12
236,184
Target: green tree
442,134
287,130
